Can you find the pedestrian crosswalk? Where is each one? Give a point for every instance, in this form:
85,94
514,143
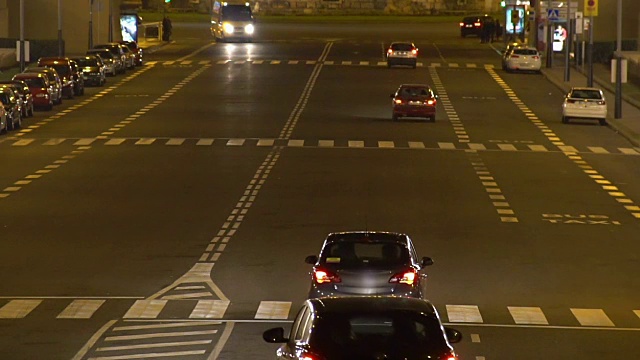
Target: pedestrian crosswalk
318,143
223,310
362,63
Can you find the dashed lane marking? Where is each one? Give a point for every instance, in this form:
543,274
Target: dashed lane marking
592,317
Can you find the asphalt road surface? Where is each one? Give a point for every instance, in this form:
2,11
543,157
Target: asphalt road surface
168,214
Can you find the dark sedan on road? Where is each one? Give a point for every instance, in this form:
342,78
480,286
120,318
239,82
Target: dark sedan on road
414,100
368,263
365,328
11,102
92,69
22,89
473,25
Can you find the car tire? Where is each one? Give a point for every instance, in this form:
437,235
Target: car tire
389,65
394,117
603,122
70,96
49,107
18,125
432,118
565,119
31,110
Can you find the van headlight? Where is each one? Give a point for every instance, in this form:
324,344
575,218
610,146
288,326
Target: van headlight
228,28
249,29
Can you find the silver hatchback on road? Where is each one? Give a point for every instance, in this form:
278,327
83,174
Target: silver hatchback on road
368,263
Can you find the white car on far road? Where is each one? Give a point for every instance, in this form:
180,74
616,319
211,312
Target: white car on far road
523,58
585,103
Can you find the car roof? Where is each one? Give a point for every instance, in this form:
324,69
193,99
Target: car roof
415,85
30,75
367,235
585,88
402,42
370,304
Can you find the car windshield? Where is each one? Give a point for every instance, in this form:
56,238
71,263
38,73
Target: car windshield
398,334
87,62
401,47
103,54
63,70
586,94
525,52
4,97
34,82
414,91
364,254
112,49
236,12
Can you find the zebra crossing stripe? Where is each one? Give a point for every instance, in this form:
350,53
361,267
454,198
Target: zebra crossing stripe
115,141
537,148
416,145
528,315
637,312
598,150
209,309
474,146
295,143
464,313
204,62
80,309
145,141
186,62
149,346
448,146
84,142
258,62
592,317
273,310
51,142
386,144
204,142
145,309
17,309
356,143
168,62
235,142
23,142
325,143
507,147
628,151
266,142
175,141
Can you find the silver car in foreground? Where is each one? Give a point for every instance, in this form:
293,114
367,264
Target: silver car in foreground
368,263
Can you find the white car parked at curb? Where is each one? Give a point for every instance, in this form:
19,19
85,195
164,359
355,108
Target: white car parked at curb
585,103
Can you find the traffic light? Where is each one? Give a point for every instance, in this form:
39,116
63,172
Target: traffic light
167,1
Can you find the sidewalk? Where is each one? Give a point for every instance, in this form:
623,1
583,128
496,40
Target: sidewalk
629,125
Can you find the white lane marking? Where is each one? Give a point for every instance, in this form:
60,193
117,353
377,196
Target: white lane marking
566,148
80,309
386,144
292,62
275,62
356,143
159,335
168,62
187,62
175,141
537,147
209,309
145,141
592,317
23,142
257,62
145,309
475,338
187,296
273,310
507,147
266,142
474,146
235,142
165,325
154,345
150,355
114,141
637,312
629,151
416,145
17,309
325,143
197,51
448,146
204,142
528,315
295,143
598,150
87,141
464,313
54,141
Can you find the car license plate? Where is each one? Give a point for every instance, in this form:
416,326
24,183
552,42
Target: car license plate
415,102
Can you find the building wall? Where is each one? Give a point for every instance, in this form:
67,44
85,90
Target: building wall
605,22
41,21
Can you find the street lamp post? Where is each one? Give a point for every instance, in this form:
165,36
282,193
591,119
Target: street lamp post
60,47
590,54
22,50
618,56
110,22
90,24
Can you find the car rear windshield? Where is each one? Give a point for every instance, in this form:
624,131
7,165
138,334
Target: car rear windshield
365,254
401,47
63,70
414,91
103,54
4,97
34,82
586,94
399,334
525,51
87,62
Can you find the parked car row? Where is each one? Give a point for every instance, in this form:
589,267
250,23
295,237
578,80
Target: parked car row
52,78
366,301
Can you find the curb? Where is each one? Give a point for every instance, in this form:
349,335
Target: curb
611,123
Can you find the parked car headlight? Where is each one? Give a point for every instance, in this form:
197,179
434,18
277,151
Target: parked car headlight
249,29
228,28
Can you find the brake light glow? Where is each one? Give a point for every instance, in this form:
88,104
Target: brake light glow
477,24
414,52
323,276
390,51
408,277
452,358
430,102
536,57
601,102
461,24
398,101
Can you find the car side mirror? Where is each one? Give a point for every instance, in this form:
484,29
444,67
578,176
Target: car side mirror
311,259
426,261
276,335
453,335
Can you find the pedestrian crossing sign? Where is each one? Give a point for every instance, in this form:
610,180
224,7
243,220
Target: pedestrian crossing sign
553,14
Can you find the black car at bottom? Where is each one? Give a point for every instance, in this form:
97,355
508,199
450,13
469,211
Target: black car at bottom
365,328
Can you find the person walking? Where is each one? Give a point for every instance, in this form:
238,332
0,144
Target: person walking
166,29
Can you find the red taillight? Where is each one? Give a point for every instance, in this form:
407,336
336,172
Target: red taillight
452,358
536,57
389,51
601,102
430,102
477,24
414,52
398,101
407,277
322,276
461,24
